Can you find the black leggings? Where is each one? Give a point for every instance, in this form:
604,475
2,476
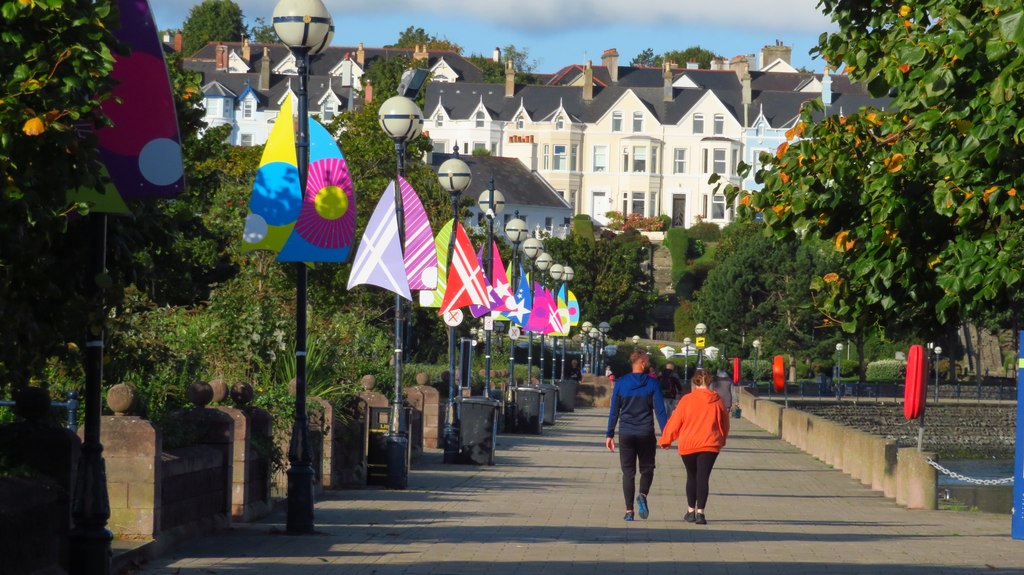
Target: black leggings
633,448
698,471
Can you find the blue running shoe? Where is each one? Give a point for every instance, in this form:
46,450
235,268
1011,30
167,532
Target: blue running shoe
641,503
629,516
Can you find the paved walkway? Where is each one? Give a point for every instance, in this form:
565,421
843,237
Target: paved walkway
553,505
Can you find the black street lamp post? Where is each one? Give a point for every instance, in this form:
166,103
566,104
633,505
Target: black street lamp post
544,262
402,120
516,232
604,328
567,275
532,249
455,177
305,26
491,203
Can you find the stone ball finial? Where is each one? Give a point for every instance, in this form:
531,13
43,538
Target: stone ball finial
220,390
369,382
121,399
292,386
200,393
31,403
241,393
422,378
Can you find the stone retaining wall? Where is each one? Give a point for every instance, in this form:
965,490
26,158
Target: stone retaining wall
875,461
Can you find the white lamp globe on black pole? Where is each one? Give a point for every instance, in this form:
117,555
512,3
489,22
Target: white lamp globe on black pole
938,354
687,342
516,232
402,120
491,202
306,27
757,361
555,272
595,337
532,249
604,328
589,359
567,274
839,359
454,176
699,329
543,262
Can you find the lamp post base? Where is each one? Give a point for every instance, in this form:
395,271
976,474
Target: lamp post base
398,457
451,444
510,418
300,499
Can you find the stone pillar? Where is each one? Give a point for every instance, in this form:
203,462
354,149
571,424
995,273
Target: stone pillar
250,470
214,428
321,434
132,448
432,415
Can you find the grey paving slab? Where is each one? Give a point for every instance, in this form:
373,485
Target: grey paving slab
553,505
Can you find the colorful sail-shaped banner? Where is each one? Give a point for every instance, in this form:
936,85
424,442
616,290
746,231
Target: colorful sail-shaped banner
420,251
560,326
466,282
502,289
141,151
326,223
574,309
543,308
433,298
523,297
379,259
481,310
276,199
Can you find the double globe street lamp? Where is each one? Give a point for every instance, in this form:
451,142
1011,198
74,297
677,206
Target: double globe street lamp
544,262
516,232
306,27
491,203
532,248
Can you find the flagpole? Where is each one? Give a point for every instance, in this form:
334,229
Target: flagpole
491,203
544,262
532,249
516,232
455,177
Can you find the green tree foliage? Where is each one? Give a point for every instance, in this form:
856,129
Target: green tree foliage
211,21
494,72
644,58
55,64
760,287
262,32
700,55
412,37
608,280
921,201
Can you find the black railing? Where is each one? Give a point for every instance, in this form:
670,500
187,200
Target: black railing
70,406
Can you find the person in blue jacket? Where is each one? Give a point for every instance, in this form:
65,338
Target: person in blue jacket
636,399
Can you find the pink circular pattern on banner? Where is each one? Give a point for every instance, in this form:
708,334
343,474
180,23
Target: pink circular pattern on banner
317,225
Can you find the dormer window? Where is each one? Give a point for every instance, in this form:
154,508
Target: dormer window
616,121
439,120
248,108
479,119
760,130
330,109
559,123
520,123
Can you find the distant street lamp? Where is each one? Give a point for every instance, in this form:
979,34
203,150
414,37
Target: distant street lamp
555,272
839,359
491,204
532,248
699,329
516,232
306,27
938,353
757,364
543,262
604,328
687,342
567,274
594,359
454,176
585,332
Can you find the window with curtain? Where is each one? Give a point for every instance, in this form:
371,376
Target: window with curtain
559,162
616,121
638,122
600,158
639,159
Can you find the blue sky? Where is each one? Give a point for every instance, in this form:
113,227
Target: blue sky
561,32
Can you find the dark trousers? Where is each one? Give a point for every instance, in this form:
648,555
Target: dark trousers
633,449
698,471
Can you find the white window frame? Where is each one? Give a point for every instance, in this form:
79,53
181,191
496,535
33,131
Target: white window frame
600,158
719,124
679,161
638,122
616,121
639,160
698,123
479,119
248,108
718,163
718,206
559,158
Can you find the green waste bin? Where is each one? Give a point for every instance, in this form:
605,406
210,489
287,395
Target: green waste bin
477,431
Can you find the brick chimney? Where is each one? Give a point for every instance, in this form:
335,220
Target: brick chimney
368,91
610,60
361,56
740,65
222,57
497,54
510,79
588,82
666,76
779,51
246,50
178,41
264,84
420,53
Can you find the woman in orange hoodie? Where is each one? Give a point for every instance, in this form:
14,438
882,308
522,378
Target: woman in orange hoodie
701,423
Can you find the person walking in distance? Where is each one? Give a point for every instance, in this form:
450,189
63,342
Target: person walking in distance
701,424
671,385
636,400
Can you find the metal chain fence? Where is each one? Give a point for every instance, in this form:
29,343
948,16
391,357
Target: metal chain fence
960,477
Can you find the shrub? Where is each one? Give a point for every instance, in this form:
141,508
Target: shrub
886,370
583,227
678,244
705,231
622,222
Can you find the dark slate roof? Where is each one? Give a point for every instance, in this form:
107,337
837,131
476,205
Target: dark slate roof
219,82
516,182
